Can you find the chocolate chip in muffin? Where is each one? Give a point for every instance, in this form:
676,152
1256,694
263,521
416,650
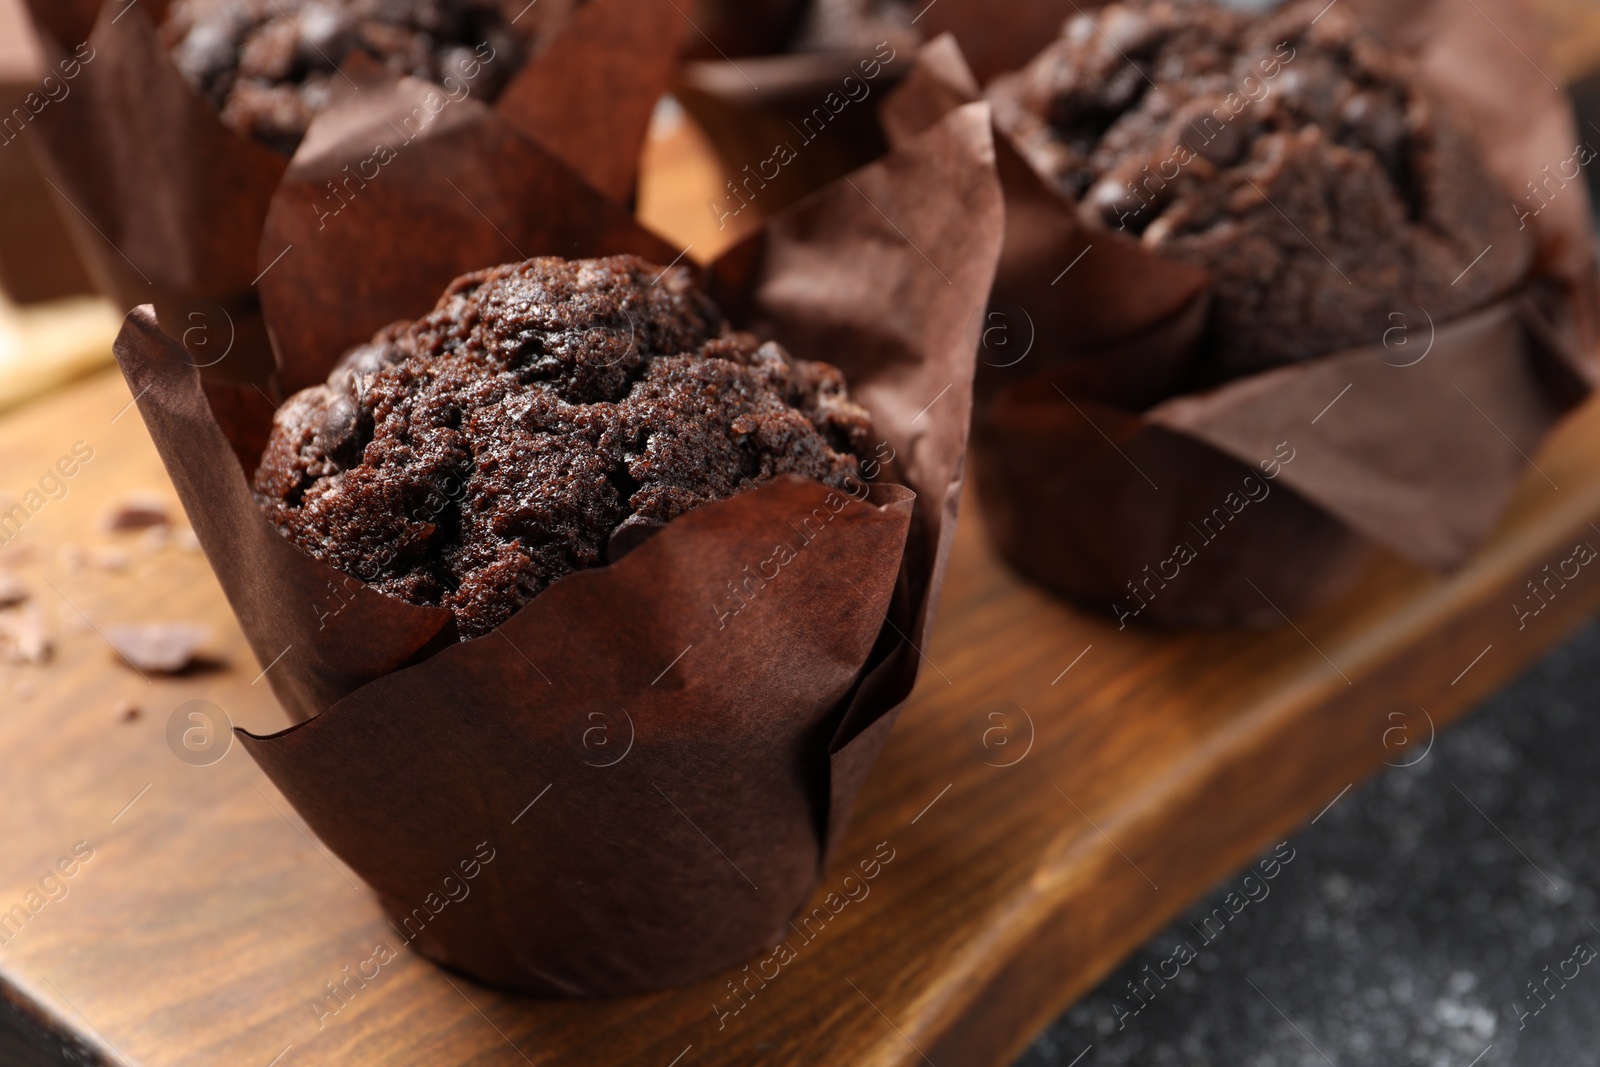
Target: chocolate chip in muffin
269,66
1295,156
543,418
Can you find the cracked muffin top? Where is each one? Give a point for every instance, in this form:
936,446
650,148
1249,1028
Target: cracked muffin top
545,417
1294,155
269,66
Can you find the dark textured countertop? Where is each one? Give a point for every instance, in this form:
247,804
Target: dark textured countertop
1409,922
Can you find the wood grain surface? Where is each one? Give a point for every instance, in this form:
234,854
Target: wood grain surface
1142,768
1056,791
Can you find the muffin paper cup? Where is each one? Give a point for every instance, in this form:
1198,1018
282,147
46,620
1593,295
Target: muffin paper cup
169,203
753,102
352,264
1249,502
993,37
742,27
750,107
636,780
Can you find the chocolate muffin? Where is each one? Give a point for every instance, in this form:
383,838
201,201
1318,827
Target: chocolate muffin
1295,156
269,66
545,417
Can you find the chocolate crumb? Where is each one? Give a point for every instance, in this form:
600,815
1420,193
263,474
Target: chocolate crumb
23,638
12,591
136,513
125,711
158,647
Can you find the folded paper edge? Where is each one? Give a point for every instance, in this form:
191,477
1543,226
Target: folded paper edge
611,30
886,498
168,390
1443,547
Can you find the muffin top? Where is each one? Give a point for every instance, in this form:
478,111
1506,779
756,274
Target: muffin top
1294,155
543,418
268,66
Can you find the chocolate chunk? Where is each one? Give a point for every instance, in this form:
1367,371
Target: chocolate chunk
547,416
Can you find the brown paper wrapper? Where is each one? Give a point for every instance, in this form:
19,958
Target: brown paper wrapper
1100,479
170,203
994,37
763,94
749,107
656,754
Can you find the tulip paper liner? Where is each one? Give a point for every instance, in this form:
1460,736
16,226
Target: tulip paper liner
645,768
170,203
1101,478
994,37
813,102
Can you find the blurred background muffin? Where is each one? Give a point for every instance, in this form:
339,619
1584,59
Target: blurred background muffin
269,66
1267,151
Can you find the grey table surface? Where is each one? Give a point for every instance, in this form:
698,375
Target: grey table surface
1406,924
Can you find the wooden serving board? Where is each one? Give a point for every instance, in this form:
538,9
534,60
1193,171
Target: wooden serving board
1056,791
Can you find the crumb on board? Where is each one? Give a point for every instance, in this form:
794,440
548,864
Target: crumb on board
23,637
140,511
12,591
158,647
